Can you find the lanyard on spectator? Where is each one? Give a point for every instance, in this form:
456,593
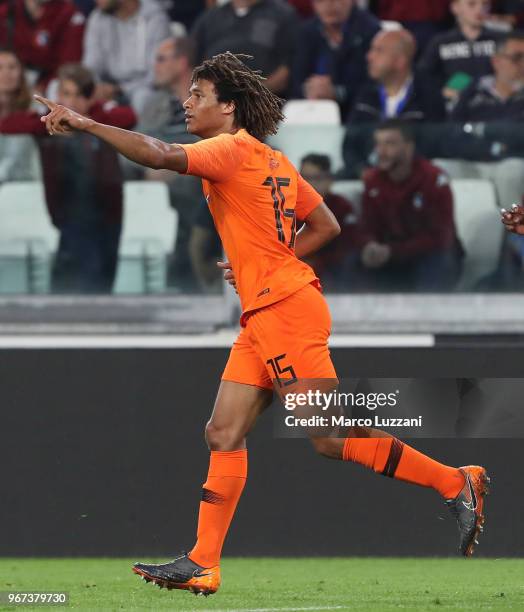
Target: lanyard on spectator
401,103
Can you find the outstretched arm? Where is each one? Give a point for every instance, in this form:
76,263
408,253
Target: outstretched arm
139,148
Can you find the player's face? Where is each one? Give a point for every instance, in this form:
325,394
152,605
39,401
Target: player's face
332,12
509,63
317,177
392,150
10,73
471,12
70,96
205,115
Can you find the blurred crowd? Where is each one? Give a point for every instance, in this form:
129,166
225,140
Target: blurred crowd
427,91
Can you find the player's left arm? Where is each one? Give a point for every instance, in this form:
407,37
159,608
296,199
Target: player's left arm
320,227
320,224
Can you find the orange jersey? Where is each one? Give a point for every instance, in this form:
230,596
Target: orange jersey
255,196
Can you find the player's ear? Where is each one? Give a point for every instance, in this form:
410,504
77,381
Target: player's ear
229,107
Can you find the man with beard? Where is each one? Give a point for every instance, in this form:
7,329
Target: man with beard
408,238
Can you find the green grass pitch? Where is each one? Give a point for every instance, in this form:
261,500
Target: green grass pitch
287,585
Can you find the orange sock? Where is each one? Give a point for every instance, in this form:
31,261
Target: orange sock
393,458
220,494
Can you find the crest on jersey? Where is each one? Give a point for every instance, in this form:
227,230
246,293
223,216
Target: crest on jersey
273,163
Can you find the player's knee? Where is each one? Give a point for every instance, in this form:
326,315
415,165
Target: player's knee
223,438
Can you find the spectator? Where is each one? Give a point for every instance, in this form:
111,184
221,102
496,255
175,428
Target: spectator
394,92
174,63
44,35
83,187
464,53
327,262
485,139
408,239
18,154
264,29
164,118
120,43
422,19
501,95
331,65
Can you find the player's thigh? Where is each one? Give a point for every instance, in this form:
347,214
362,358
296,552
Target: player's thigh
244,364
235,412
245,391
291,339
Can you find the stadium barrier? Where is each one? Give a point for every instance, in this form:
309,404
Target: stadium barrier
81,437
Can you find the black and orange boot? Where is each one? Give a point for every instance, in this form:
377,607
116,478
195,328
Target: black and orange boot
181,573
468,507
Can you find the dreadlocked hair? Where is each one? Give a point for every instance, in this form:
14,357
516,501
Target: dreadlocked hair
257,109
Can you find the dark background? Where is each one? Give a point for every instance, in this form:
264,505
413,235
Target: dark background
103,454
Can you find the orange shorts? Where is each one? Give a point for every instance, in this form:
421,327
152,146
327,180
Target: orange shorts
284,341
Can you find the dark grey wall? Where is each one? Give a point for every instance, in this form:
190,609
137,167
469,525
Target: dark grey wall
102,454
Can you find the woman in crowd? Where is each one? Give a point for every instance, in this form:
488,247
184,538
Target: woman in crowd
18,154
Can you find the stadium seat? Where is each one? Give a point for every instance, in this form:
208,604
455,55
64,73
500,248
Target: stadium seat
311,112
27,239
479,228
296,141
148,236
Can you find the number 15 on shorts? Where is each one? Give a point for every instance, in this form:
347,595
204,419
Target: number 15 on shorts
279,369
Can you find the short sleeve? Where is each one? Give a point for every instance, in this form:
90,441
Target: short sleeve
215,159
307,198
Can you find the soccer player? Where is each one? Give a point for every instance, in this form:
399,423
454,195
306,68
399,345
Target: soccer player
256,196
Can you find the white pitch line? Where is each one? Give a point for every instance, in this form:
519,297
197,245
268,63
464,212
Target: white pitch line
277,609
223,339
